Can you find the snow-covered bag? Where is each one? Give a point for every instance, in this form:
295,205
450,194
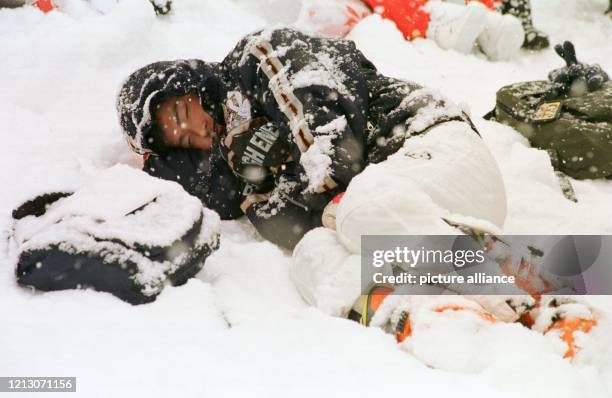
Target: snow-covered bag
124,232
576,131
569,116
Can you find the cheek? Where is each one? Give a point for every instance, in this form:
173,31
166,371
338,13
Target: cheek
205,117
172,136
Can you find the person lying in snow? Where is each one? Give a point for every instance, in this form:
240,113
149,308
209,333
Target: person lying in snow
451,24
301,117
286,122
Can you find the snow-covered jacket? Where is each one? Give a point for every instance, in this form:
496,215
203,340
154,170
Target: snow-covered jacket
327,110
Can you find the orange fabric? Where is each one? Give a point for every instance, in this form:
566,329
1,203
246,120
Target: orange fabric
481,313
404,334
44,5
531,283
527,320
567,327
409,16
378,295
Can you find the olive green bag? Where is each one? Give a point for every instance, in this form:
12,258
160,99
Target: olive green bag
575,130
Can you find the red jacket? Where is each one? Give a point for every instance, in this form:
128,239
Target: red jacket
409,15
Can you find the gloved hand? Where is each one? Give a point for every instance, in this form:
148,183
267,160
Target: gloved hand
575,72
254,152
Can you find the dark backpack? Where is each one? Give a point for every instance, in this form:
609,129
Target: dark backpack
125,233
570,116
576,131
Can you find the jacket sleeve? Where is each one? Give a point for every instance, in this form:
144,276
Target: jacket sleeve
275,204
207,177
295,84
284,215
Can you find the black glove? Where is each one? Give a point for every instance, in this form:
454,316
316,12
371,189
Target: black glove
257,152
563,78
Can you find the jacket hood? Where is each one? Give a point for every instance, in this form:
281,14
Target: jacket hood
147,86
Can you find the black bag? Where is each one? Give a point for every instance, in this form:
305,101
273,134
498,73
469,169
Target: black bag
125,233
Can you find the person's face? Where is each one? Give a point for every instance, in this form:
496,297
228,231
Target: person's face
184,123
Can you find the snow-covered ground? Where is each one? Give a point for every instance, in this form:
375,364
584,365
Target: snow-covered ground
241,329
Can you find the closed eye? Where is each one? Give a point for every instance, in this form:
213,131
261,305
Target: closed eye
176,113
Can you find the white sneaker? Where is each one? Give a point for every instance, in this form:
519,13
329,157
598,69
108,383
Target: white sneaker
502,37
456,27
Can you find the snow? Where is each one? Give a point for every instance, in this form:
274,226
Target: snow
241,328
317,159
100,206
325,277
120,209
427,115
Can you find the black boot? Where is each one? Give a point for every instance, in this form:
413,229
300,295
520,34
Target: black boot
521,9
609,12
